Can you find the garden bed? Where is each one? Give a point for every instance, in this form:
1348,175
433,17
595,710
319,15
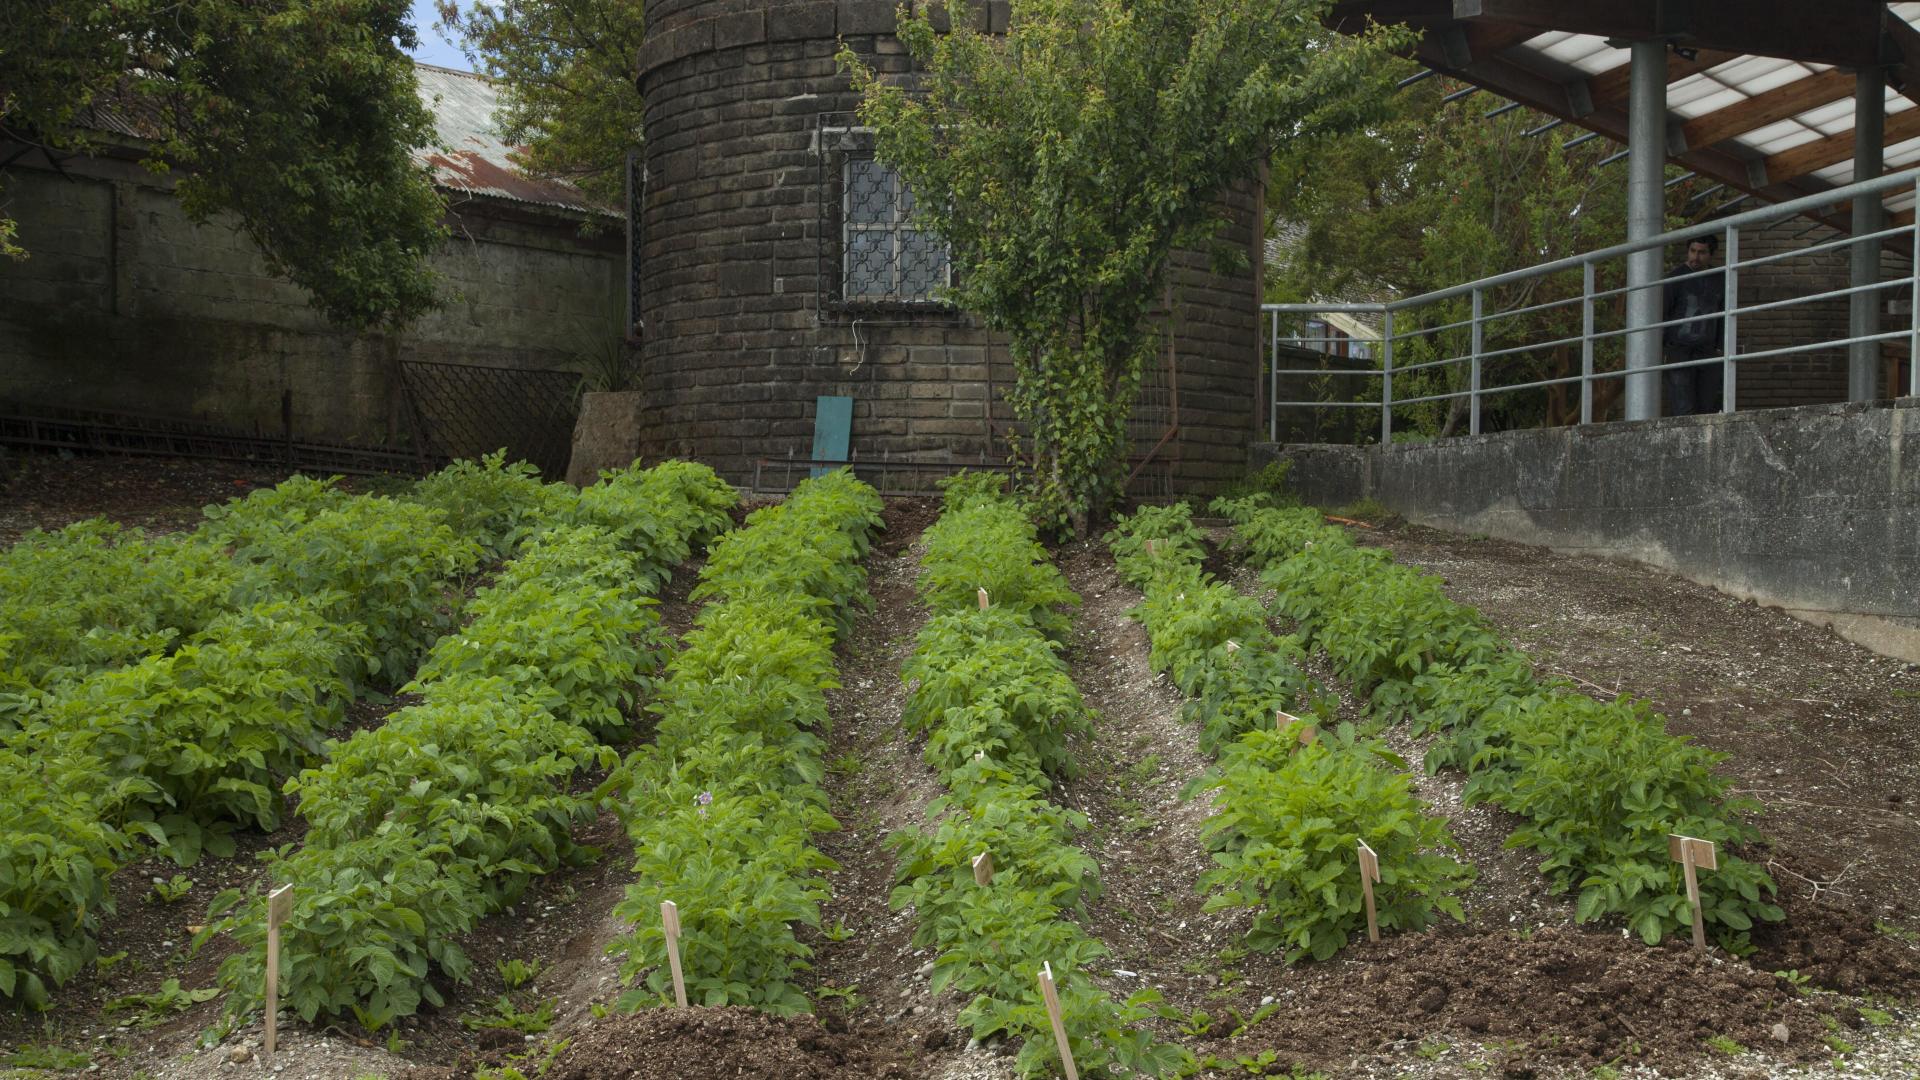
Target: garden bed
1824,734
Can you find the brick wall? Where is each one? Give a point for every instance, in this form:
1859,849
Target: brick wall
127,305
1818,376
741,332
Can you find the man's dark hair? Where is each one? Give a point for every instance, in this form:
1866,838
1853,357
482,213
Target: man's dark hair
1712,242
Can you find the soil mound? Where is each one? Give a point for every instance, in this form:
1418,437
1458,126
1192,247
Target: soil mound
1836,949
1562,997
732,1042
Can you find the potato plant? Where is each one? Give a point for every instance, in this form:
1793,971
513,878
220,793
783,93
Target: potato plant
1288,817
723,806
1600,784
422,827
992,693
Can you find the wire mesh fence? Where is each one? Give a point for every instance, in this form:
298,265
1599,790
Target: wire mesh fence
464,411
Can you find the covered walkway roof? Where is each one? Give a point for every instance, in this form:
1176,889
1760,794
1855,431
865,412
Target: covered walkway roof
1760,93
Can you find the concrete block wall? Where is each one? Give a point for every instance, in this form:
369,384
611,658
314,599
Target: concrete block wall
125,304
742,333
1814,509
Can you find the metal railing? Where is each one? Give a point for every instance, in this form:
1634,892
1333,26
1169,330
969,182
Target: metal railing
1463,326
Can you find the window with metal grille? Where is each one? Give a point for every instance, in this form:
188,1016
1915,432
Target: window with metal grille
883,256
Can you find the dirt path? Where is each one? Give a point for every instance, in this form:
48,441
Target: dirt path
877,784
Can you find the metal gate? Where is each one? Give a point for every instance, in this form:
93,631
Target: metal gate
465,410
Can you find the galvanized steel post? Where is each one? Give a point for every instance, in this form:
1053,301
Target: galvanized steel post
1473,376
1863,310
1646,209
1730,332
1386,379
1586,342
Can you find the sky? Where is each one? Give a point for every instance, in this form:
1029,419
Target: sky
433,48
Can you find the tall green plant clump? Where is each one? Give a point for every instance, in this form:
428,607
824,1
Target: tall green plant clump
1287,818
1601,784
199,682
1067,159
441,816
722,807
991,692
93,596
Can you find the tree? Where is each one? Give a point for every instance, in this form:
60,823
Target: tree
568,94
1065,160
1436,194
297,116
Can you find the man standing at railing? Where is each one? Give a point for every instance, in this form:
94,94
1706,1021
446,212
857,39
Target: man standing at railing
1698,300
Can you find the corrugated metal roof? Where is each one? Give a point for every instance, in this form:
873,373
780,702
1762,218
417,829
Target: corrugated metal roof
475,160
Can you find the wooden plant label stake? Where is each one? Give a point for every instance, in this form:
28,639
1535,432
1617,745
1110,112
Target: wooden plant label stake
670,921
1694,854
1052,997
1369,873
1153,547
1281,719
983,868
279,906
1232,646
983,598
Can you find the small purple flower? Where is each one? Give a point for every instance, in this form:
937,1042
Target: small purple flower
703,800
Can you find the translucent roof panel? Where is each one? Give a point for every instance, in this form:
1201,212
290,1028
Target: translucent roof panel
1774,138
1588,52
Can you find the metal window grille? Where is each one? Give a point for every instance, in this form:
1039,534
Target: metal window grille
883,257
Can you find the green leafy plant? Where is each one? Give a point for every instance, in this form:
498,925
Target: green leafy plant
989,688
506,1016
153,1008
421,827
723,805
1065,160
1601,785
517,973
171,891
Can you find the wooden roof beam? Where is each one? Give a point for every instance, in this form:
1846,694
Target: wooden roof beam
1775,105
1832,32
1610,86
1811,157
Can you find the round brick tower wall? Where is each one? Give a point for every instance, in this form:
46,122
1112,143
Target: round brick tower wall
747,119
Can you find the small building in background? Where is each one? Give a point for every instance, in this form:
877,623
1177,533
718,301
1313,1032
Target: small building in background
124,306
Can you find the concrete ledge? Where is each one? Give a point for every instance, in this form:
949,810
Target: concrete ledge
1814,509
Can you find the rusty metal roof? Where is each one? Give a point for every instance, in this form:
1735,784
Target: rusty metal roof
476,161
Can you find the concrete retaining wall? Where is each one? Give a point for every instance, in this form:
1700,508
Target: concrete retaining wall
1814,509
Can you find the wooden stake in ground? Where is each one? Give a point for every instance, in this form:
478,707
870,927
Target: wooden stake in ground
983,868
983,598
1693,854
1281,719
279,906
1369,873
1052,997
670,922
1232,646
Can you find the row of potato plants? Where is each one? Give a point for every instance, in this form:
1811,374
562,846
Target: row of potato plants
1600,784
723,805
1287,816
419,828
223,658
991,692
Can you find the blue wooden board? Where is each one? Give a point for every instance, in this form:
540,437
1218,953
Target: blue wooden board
832,427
